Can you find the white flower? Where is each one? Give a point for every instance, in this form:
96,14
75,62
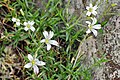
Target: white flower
47,40
17,21
29,25
22,12
91,10
92,26
33,63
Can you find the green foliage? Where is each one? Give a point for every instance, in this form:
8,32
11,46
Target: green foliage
68,30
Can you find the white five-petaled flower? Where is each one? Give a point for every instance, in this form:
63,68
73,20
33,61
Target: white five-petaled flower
91,10
33,63
17,21
48,40
92,26
29,25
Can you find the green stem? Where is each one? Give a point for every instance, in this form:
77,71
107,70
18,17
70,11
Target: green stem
79,50
37,51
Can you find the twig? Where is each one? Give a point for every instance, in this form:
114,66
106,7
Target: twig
79,50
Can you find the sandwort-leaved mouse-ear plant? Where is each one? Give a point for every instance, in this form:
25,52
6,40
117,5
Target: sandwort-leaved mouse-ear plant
29,25
48,41
26,28
91,10
93,26
34,63
17,21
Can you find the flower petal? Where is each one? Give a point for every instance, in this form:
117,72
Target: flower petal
29,22
48,46
18,23
53,42
88,22
28,65
45,33
94,32
30,57
95,7
94,20
87,8
40,63
43,40
50,35
14,19
91,5
32,23
88,31
32,28
26,28
36,69
98,26
17,20
25,23
88,13
94,13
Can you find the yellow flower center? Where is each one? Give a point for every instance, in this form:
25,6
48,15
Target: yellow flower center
46,41
33,62
90,9
90,26
28,25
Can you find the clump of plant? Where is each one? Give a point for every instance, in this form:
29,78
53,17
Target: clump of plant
45,41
